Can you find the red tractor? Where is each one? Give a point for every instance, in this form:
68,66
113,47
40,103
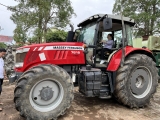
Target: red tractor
47,73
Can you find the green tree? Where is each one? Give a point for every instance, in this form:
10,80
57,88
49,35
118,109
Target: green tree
146,14
20,36
56,36
3,45
33,39
38,15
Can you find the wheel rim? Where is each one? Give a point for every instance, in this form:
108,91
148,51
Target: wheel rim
141,82
46,95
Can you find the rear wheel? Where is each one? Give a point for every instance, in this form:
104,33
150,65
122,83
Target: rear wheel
136,81
43,92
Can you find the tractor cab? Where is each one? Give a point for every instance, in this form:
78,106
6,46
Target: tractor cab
96,28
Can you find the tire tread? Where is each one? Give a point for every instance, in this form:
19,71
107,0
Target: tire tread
21,83
122,73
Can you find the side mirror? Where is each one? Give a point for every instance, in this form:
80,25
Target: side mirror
107,23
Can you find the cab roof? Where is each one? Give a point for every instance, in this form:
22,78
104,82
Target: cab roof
115,18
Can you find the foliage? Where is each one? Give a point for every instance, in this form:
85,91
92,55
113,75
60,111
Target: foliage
3,45
33,39
146,14
35,16
20,36
56,36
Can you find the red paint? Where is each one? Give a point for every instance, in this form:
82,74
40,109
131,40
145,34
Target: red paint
116,58
57,57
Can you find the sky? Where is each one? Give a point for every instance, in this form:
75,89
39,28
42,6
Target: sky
83,9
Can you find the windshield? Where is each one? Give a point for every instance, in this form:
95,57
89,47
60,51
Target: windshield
87,34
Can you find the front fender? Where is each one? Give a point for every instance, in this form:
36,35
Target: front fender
116,58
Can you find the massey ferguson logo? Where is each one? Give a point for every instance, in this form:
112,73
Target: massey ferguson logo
68,47
63,48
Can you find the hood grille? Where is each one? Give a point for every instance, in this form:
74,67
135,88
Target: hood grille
20,57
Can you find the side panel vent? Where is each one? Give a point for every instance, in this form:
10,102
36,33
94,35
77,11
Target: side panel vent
60,54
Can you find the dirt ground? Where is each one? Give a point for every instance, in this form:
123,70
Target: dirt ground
88,108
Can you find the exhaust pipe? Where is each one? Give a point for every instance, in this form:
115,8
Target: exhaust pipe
72,28
70,34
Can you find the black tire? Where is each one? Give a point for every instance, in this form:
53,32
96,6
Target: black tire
33,76
135,88
10,65
9,56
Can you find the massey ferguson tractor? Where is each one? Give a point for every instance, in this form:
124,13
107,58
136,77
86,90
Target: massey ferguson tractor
47,73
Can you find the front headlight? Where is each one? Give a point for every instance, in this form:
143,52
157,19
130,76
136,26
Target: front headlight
18,65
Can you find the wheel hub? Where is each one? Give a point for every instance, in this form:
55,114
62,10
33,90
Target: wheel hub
46,93
140,82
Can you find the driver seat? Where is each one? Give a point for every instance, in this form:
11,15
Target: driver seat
106,54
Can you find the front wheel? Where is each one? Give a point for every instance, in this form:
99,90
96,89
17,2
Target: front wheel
136,81
44,92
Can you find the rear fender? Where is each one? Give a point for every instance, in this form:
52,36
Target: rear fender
115,61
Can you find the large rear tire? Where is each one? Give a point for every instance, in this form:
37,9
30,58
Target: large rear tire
136,81
44,92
